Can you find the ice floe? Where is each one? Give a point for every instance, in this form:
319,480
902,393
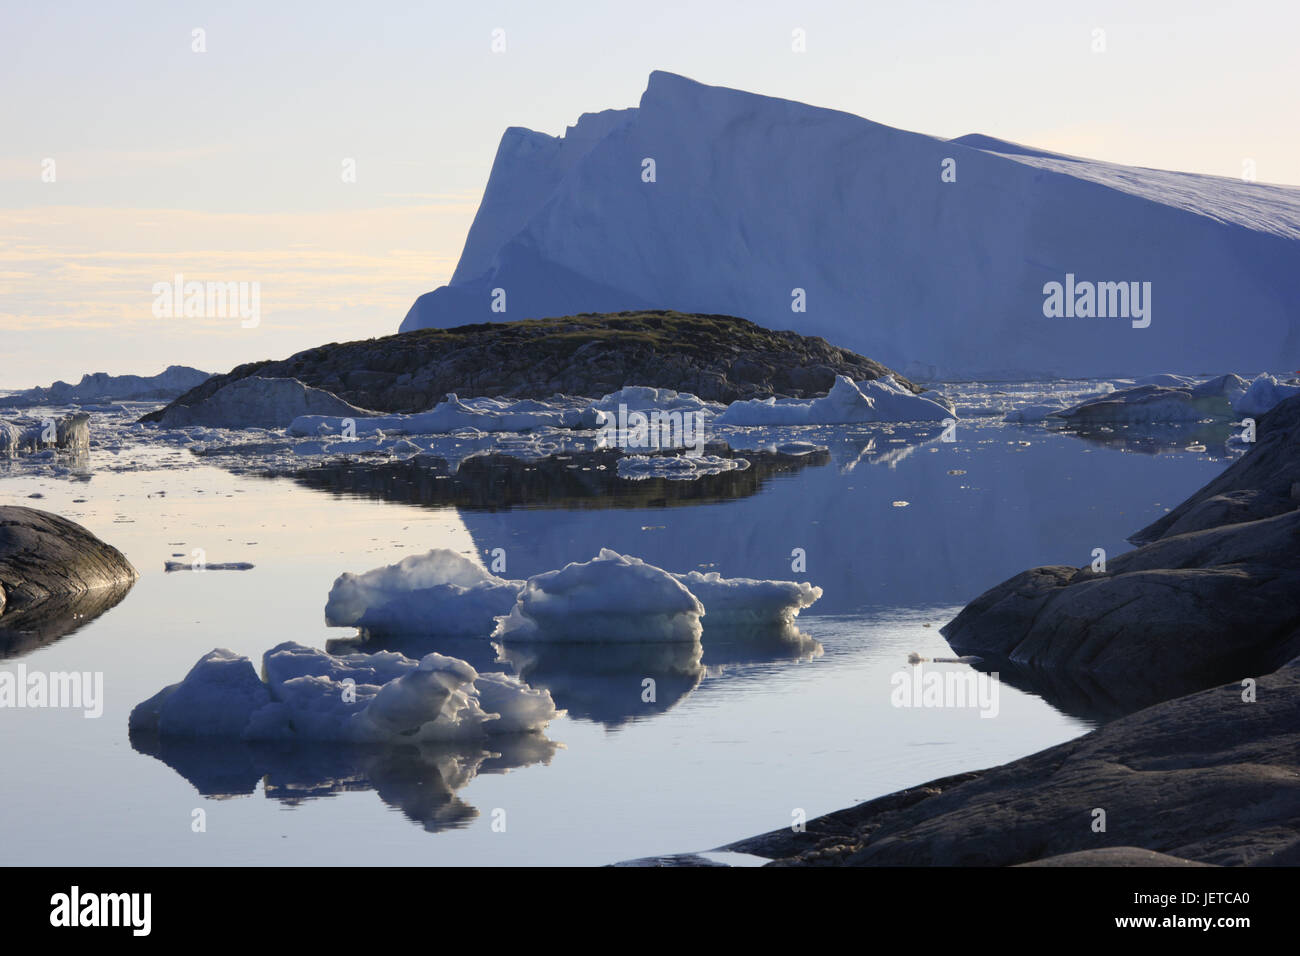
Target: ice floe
676,467
438,593
882,400
1211,399
310,695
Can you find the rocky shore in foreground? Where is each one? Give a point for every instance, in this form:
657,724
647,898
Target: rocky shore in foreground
717,357
1203,617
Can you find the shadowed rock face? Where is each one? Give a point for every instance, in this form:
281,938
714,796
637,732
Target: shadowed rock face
717,357
52,572
1213,596
1207,778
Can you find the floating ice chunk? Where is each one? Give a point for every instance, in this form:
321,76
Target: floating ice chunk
1166,380
610,598
641,398
881,400
170,566
736,603
453,414
1263,394
676,467
438,593
1142,404
357,698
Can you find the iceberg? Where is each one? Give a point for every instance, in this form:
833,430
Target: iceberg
765,202
310,695
881,400
438,593
1263,393
454,414
173,381
1143,404
610,598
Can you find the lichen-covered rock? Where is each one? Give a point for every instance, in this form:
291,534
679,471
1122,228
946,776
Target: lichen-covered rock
43,556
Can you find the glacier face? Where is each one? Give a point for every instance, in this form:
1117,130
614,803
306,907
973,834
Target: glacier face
754,197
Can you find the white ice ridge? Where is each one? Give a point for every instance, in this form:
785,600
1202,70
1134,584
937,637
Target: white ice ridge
309,695
440,593
611,598
977,228
1175,398
744,602
676,467
454,414
882,400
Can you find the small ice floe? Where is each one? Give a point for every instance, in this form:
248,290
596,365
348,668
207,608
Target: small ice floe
901,504
170,566
310,695
438,593
676,467
915,658
881,400
610,598
1032,413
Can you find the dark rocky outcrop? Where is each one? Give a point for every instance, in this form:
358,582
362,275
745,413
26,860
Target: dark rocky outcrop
52,572
1213,596
1207,778
717,357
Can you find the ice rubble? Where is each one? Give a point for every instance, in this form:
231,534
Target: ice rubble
309,695
440,592
882,400
676,467
611,598
454,414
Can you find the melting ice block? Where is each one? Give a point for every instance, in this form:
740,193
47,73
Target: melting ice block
309,695
438,593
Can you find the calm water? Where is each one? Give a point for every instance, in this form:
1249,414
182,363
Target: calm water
735,742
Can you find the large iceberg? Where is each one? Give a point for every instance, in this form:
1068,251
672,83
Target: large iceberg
882,400
1142,404
309,695
904,247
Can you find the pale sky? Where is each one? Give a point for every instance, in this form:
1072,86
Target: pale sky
225,165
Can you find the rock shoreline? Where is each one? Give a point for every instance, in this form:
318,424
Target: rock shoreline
717,357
